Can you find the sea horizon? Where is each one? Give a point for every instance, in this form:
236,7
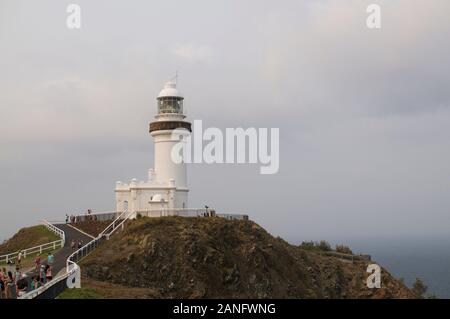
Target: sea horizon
407,258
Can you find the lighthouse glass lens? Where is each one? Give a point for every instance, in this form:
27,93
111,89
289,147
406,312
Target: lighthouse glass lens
170,105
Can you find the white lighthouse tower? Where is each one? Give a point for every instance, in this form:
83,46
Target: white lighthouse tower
166,186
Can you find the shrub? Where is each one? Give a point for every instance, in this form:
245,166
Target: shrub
419,288
311,245
343,249
324,245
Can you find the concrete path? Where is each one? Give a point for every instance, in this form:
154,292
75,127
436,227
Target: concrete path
62,254
60,257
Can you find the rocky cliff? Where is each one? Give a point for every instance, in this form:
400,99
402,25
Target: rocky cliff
175,257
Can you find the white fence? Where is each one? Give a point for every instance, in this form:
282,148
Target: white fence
71,278
50,290
72,275
230,216
37,249
103,216
191,212
93,244
55,229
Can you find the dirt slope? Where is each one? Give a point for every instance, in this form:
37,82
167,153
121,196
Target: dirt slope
91,227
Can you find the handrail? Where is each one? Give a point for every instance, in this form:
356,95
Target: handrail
71,262
34,293
40,248
110,215
55,229
121,219
93,244
190,212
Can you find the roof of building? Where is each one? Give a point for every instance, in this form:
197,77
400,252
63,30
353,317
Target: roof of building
170,89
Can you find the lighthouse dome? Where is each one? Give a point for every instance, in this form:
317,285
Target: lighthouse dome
170,90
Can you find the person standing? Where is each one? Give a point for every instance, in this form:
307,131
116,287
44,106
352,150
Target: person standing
42,274
17,274
19,258
50,258
11,289
22,285
2,282
48,273
36,283
37,262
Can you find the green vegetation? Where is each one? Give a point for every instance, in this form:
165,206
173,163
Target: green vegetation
324,246
28,262
419,288
26,238
343,249
81,293
92,227
314,245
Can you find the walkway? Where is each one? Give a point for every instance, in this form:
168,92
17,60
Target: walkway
62,254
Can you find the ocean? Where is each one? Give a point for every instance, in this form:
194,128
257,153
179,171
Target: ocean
424,258
427,259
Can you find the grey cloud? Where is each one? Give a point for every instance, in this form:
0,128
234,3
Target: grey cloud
363,115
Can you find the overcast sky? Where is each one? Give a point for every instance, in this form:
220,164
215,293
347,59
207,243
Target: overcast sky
364,115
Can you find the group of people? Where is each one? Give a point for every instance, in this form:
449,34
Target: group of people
15,283
76,244
209,212
77,218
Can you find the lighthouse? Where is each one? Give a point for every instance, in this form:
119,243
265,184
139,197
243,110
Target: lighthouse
166,186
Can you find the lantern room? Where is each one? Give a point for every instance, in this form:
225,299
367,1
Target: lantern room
170,100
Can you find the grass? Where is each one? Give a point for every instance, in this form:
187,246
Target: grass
91,227
80,293
29,261
26,238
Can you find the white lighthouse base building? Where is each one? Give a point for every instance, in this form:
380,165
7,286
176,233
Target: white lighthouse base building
150,195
